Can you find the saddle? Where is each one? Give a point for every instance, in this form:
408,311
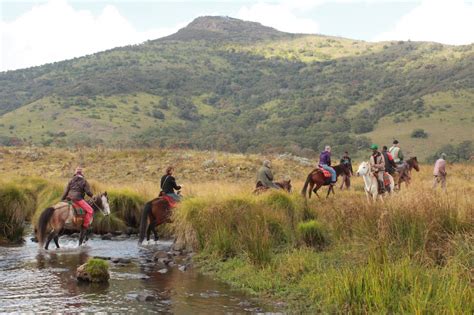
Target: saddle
326,173
168,199
386,179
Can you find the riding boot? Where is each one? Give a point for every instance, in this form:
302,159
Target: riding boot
381,186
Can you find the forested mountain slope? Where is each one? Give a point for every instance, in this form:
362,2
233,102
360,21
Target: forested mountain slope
222,83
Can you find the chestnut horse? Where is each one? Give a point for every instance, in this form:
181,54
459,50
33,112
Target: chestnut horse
404,171
54,219
155,212
316,177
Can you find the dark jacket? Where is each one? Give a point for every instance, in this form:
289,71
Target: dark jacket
325,158
347,161
168,184
390,165
77,188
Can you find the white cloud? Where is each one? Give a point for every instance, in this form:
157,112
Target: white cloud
55,31
282,16
444,21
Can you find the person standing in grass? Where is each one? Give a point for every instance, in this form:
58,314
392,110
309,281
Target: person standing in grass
346,160
439,172
75,191
168,184
265,176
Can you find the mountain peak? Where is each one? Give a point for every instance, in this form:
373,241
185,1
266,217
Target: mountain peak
226,28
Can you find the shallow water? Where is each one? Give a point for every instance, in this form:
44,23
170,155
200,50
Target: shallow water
34,280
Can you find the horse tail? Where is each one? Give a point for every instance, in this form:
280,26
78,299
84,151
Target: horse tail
43,223
305,187
144,221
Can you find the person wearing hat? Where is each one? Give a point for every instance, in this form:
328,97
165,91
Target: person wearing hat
75,191
396,152
325,163
377,165
439,172
265,176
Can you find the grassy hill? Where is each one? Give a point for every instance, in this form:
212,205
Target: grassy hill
225,84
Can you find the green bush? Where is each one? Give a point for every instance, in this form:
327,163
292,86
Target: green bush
313,234
419,133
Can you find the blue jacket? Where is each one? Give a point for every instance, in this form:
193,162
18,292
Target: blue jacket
325,158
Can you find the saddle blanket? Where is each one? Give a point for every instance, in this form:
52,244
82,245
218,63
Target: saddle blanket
386,179
170,200
326,173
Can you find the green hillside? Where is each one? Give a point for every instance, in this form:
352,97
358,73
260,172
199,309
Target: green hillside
225,84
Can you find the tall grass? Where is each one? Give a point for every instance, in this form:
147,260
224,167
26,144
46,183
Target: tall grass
126,205
411,254
16,205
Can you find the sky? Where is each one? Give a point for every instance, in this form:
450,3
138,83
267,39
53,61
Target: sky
36,32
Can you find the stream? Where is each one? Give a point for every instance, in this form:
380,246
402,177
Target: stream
35,280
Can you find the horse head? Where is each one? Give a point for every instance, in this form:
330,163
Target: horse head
101,203
364,169
413,162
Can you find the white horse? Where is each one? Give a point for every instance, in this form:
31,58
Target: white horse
370,181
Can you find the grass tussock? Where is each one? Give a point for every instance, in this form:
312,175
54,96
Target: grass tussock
106,224
127,206
16,206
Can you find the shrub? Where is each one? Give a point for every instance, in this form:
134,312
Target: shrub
419,133
313,234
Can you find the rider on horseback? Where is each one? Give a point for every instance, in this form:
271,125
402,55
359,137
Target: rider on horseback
325,163
390,165
168,184
377,164
265,176
396,152
75,191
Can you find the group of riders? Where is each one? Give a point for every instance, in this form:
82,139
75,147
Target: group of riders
387,160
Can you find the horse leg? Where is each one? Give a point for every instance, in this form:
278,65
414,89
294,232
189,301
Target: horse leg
311,186
82,235
56,240
329,190
316,190
148,231
50,237
155,233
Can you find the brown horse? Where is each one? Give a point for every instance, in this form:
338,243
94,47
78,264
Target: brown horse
404,171
54,219
284,184
155,212
316,177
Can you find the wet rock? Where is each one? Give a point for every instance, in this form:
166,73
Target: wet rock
183,268
163,271
161,255
175,253
95,270
244,304
107,237
34,239
171,264
123,261
145,297
164,261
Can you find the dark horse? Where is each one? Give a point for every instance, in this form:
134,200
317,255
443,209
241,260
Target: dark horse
316,177
155,212
284,184
54,219
404,171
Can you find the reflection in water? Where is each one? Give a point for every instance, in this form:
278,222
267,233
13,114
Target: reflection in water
44,281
